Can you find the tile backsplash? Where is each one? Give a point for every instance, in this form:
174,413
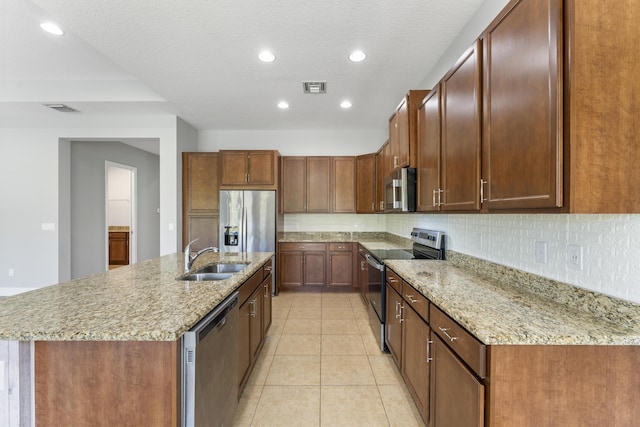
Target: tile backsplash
611,243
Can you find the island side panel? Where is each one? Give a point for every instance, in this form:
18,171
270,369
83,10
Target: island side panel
555,385
107,383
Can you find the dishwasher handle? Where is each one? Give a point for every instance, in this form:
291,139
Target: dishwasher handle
217,319
373,262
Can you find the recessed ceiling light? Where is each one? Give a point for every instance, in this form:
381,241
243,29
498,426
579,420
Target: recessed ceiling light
357,56
266,56
51,28
345,104
283,105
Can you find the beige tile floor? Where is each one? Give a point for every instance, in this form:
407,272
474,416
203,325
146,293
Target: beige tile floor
321,366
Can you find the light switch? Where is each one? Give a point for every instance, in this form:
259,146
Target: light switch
48,226
171,226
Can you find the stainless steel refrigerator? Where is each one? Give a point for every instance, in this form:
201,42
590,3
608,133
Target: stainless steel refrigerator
247,221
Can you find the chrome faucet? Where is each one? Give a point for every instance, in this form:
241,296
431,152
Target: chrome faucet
190,259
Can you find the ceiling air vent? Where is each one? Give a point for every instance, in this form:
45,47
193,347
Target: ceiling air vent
314,87
61,107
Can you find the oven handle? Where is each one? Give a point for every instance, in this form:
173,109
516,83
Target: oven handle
373,262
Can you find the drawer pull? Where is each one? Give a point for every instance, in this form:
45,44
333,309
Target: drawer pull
268,268
444,331
392,280
411,300
429,358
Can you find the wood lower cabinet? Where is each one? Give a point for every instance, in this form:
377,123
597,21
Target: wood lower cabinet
200,203
118,248
340,265
254,321
457,397
393,325
415,359
363,274
256,169
302,265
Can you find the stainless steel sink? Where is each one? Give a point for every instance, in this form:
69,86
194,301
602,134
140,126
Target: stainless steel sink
200,277
222,268
213,272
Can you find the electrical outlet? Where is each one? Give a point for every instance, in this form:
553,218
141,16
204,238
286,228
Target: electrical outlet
574,257
541,252
11,272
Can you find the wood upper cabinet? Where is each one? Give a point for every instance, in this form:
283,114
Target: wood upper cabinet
343,176
523,141
249,169
428,169
461,129
306,184
403,130
380,170
366,183
200,202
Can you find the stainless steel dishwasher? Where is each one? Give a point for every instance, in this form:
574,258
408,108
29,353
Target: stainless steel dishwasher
210,368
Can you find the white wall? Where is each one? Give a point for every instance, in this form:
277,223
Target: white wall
32,190
320,142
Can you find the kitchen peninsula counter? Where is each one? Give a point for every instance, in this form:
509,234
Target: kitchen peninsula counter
139,302
508,312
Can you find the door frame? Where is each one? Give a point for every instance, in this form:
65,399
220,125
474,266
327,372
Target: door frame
133,211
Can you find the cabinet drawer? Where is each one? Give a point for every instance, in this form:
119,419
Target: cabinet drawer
340,247
416,300
465,345
394,280
247,288
302,246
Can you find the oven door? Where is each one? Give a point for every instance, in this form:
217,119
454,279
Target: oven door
375,276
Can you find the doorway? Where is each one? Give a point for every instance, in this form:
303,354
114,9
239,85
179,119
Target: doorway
121,208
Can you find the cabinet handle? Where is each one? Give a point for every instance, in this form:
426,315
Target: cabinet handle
268,269
440,191
401,308
266,290
395,162
434,197
410,298
482,183
392,280
397,310
362,265
444,331
429,358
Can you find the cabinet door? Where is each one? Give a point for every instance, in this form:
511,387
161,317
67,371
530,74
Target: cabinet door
522,145
415,365
244,344
119,248
429,153
257,303
293,184
403,134
363,276
365,183
261,169
291,269
200,182
393,325
344,184
341,266
461,133
315,268
380,181
267,301
393,142
456,396
234,167
204,228
318,185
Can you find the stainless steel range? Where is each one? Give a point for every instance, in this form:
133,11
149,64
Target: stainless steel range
427,244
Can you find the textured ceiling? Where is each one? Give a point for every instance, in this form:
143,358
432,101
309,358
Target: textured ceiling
197,59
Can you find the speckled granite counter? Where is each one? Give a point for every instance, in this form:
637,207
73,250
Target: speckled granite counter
368,239
140,302
499,313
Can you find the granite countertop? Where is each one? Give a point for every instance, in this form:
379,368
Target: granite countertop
140,302
502,314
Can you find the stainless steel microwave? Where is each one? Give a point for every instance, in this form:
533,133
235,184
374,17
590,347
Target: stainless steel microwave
400,191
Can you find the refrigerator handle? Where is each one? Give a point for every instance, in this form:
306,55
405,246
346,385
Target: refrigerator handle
243,244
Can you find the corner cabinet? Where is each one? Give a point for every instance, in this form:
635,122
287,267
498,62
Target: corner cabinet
257,169
402,130
200,204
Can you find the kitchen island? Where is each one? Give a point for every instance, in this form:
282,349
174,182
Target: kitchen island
107,348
